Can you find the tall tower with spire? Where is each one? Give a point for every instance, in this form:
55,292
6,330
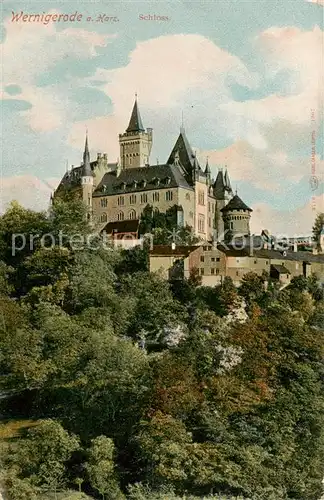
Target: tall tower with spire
136,143
87,179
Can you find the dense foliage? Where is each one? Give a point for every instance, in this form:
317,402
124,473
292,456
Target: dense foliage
142,389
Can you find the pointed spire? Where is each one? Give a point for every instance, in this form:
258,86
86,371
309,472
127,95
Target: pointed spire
86,170
227,181
135,122
207,169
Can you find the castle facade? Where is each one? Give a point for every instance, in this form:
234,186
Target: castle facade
121,190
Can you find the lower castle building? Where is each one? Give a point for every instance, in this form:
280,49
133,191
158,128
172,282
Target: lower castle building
121,190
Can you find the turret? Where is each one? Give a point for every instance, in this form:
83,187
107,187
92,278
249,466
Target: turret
236,217
87,179
207,171
136,143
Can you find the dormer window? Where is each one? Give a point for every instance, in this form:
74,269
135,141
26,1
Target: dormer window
144,182
168,180
123,186
135,184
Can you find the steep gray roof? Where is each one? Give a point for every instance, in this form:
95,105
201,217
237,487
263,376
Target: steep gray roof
73,177
187,157
135,122
153,177
219,186
236,204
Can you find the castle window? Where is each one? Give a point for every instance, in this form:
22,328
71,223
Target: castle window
217,271
209,206
202,259
201,198
213,207
104,202
168,196
120,201
132,215
231,225
209,221
143,198
212,270
120,216
201,223
202,271
255,262
130,160
156,196
237,273
213,259
188,196
132,199
103,217
217,259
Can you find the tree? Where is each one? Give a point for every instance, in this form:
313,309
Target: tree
252,288
42,457
317,228
101,468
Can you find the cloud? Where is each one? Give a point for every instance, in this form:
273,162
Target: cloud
28,190
284,49
32,49
268,170
318,2
290,223
171,71
168,72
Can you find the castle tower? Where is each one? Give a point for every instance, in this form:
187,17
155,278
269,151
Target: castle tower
236,217
223,193
87,179
136,143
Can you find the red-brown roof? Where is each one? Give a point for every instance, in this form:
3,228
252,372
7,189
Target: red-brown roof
182,251
122,226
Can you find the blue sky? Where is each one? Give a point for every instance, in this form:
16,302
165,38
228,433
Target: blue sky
245,74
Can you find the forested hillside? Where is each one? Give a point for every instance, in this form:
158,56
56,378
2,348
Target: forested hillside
116,384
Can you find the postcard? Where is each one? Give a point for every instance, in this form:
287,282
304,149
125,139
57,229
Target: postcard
162,249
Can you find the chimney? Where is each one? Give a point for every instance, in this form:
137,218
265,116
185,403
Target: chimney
105,157
98,156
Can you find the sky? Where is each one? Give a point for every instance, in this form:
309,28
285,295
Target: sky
247,75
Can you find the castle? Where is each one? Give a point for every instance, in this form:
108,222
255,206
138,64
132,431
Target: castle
116,194
120,191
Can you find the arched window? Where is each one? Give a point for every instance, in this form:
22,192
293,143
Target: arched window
103,217
120,216
132,215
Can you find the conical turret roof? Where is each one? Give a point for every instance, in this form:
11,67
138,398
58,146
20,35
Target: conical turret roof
236,204
86,168
135,122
